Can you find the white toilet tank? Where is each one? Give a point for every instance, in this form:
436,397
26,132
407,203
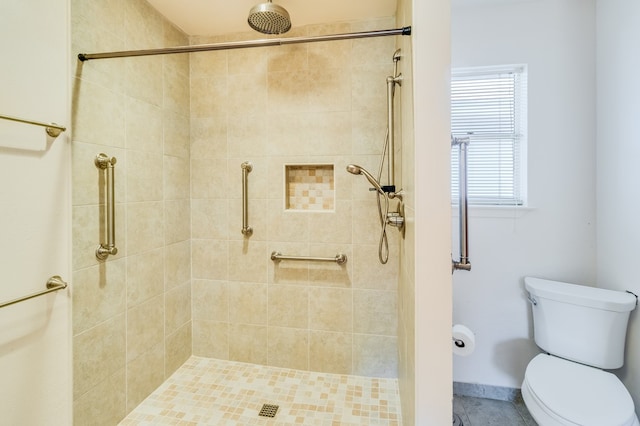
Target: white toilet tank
583,324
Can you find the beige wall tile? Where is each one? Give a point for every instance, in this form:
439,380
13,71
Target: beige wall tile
145,327
213,63
247,61
175,93
326,92
177,308
177,264
209,137
98,353
368,130
177,221
145,229
99,116
288,91
363,77
144,176
144,375
249,94
291,57
143,25
213,92
210,300
248,343
138,111
176,178
209,178
288,348
176,136
375,312
211,339
330,309
246,133
375,356
332,227
146,138
247,303
289,306
286,225
143,81
112,406
145,276
330,352
210,259
178,348
368,272
334,54
99,298
248,261
210,219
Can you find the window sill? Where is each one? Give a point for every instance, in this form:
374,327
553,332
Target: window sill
507,212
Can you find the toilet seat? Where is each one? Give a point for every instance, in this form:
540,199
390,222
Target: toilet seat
561,392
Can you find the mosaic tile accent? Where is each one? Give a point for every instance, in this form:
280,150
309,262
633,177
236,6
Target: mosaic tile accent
310,187
206,391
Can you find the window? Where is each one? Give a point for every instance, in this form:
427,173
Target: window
490,106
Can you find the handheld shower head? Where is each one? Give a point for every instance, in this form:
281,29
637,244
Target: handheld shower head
357,170
269,18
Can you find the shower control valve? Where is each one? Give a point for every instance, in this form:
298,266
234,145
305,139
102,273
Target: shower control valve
395,219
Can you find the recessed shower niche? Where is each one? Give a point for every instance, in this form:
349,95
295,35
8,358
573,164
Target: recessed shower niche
309,187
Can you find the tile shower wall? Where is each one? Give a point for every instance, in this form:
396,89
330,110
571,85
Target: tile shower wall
132,313
317,103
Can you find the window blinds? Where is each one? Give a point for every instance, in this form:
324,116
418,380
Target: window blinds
489,106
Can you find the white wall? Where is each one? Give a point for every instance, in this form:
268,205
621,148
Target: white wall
556,236
618,151
432,304
35,356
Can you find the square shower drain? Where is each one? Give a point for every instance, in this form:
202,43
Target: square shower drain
268,410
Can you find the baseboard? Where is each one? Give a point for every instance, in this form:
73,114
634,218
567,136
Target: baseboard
486,391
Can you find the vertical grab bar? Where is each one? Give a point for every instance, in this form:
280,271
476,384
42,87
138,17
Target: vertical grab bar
463,263
246,169
104,162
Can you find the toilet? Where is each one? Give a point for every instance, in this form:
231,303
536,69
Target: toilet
582,331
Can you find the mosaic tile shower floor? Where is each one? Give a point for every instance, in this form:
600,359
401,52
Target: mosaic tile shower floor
208,391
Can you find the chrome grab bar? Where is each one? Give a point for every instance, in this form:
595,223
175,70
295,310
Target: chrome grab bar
246,169
339,258
52,129
54,283
463,263
104,162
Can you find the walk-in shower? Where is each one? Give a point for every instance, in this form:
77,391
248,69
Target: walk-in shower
190,285
386,192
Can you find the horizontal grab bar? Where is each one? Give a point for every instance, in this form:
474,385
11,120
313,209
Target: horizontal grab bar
52,129
339,258
54,283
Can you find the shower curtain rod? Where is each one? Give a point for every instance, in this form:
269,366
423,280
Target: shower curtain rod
243,44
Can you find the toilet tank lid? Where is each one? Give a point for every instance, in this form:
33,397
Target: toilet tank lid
599,298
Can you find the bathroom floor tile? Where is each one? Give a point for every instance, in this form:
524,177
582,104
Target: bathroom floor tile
208,391
491,412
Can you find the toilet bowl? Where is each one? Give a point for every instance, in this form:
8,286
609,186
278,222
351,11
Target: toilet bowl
558,392
582,331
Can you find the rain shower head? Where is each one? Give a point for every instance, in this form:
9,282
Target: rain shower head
357,170
269,18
